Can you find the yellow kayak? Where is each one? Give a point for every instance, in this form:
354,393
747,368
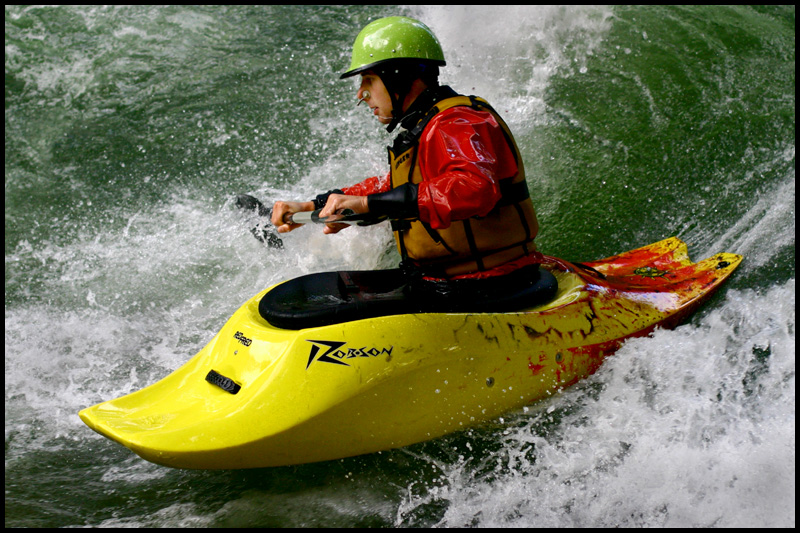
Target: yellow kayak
258,395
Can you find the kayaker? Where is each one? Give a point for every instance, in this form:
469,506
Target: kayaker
456,189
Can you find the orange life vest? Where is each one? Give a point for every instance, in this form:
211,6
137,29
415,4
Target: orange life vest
473,244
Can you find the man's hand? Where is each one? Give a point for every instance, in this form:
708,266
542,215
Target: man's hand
280,211
339,202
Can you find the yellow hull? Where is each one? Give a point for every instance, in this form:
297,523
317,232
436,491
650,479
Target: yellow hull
359,387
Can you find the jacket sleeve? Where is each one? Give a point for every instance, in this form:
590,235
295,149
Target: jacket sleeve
463,155
369,186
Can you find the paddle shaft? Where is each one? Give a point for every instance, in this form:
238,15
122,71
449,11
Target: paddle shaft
346,216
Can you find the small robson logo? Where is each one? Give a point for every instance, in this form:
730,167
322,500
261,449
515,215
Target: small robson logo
335,352
650,272
239,336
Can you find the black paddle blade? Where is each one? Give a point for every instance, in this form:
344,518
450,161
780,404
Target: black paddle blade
251,203
264,231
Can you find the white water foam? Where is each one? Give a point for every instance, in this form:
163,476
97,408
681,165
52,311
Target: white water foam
510,53
770,219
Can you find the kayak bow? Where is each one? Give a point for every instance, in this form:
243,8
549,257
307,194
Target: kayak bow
260,396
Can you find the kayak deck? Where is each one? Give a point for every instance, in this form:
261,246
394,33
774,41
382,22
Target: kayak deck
327,298
358,387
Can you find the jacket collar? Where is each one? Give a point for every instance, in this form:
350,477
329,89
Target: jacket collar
424,103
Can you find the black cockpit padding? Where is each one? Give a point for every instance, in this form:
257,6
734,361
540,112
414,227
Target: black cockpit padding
328,298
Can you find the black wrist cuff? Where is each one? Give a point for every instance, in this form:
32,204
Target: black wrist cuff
397,203
322,199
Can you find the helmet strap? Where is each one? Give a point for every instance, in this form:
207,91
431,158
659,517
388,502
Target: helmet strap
396,116
398,78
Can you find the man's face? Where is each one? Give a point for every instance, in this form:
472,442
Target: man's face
377,97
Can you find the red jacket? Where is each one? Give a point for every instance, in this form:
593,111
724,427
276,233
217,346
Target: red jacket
462,156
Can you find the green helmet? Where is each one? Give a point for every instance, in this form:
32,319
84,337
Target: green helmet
392,38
